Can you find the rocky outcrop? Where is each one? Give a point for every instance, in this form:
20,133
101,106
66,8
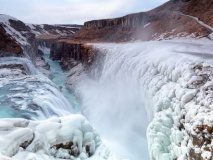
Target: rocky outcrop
8,45
20,38
20,34
164,22
71,53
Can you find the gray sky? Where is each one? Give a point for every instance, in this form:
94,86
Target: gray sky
72,11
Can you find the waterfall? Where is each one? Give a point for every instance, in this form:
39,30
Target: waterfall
25,92
29,67
133,89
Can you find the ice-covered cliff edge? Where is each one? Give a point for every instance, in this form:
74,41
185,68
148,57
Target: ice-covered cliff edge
174,81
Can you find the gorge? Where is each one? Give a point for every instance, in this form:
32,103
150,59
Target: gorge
137,87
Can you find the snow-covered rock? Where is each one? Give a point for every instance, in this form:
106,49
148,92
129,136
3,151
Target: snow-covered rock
70,137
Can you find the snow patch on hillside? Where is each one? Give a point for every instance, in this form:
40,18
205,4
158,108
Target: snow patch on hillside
6,18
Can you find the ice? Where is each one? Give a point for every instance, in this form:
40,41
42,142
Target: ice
146,25
70,137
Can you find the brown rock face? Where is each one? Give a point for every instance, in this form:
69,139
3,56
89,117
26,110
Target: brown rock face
151,25
8,46
71,53
203,9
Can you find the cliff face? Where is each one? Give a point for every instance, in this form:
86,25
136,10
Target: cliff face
8,45
19,34
71,53
164,22
19,39
201,9
46,41
132,20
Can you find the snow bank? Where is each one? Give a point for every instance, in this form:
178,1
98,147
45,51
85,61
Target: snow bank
70,137
174,79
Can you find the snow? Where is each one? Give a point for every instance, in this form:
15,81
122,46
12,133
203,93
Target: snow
38,29
6,18
198,21
44,140
172,78
201,23
146,25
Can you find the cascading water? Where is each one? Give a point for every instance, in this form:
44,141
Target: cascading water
134,85
27,93
59,78
112,102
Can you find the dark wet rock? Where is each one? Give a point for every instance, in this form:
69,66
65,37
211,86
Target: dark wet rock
27,143
67,145
40,52
71,53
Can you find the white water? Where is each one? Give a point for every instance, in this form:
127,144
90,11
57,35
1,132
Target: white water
113,104
130,80
31,96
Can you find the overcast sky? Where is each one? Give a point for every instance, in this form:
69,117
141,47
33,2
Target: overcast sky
72,11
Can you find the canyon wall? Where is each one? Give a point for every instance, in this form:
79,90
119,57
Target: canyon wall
164,22
71,53
20,39
8,45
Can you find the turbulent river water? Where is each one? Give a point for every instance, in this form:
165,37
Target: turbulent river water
58,76
32,95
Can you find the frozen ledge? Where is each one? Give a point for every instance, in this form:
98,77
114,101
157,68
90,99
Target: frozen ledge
69,137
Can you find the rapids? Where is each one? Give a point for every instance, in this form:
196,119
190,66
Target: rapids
29,95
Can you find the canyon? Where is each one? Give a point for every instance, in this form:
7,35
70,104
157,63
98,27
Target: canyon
135,87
